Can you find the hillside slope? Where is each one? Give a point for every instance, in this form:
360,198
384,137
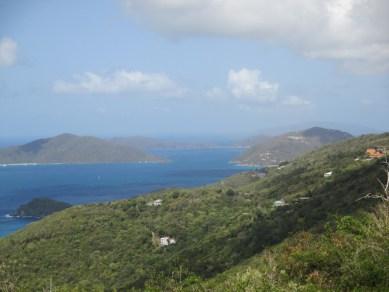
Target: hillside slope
351,255
68,148
272,151
116,245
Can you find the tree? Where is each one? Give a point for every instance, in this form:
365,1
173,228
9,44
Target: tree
230,192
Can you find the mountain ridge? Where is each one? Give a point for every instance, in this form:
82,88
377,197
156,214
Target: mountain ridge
272,151
70,148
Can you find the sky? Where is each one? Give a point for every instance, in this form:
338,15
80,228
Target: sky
169,68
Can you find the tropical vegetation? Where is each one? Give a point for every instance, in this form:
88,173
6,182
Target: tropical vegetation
229,236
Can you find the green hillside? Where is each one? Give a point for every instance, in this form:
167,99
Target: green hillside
273,150
217,228
350,254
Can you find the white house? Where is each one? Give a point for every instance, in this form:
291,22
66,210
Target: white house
328,174
303,198
166,240
297,138
157,202
279,203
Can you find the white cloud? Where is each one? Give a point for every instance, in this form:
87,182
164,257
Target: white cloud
294,100
8,49
120,82
248,86
354,32
249,90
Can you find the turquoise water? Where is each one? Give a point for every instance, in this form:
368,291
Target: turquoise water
80,184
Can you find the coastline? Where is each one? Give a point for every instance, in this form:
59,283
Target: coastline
9,216
80,163
246,164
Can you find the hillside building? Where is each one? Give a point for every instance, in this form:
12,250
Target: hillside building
328,174
155,203
375,152
279,203
166,240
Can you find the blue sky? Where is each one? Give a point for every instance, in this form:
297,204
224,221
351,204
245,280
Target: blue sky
170,68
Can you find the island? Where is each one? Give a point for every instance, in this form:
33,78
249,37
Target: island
69,148
39,208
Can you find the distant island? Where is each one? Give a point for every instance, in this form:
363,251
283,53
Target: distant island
69,148
39,208
147,143
273,150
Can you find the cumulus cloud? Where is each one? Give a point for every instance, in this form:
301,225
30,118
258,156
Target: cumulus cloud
8,49
249,86
354,32
119,82
249,89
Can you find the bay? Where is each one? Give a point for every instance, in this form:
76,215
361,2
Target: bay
91,183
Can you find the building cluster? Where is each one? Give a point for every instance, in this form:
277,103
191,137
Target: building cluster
371,153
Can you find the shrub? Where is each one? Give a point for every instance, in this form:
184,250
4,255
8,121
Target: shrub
230,192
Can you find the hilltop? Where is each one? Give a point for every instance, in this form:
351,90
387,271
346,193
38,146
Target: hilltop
68,148
220,231
272,151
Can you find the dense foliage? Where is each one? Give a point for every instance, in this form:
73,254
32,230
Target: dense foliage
217,228
351,254
40,207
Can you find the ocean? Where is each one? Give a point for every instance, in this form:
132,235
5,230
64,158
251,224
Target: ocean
91,183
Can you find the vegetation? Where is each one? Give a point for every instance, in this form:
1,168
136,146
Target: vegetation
352,254
272,151
40,207
229,236
67,148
